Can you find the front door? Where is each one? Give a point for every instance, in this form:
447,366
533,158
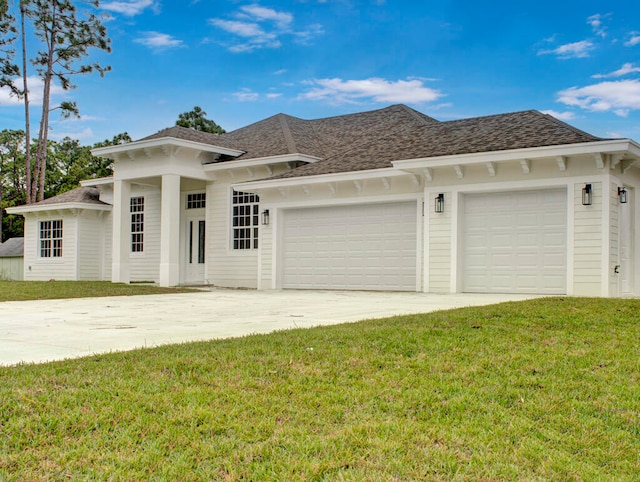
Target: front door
195,252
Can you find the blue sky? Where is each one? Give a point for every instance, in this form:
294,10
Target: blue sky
243,61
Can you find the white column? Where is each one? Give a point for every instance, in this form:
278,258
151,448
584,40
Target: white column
170,231
121,232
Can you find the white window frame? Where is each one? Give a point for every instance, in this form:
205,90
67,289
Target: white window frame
245,221
136,210
195,200
50,238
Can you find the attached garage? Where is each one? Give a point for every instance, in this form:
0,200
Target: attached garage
515,242
353,247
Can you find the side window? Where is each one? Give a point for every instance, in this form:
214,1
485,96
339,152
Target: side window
136,208
51,239
245,220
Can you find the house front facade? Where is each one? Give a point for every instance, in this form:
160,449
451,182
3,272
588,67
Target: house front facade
383,200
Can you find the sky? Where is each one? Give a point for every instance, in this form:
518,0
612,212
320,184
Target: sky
243,61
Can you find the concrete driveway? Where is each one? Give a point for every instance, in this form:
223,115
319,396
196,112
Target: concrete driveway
39,331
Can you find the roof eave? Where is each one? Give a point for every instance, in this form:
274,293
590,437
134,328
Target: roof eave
35,208
110,151
605,147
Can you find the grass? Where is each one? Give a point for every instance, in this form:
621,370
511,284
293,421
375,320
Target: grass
48,290
545,389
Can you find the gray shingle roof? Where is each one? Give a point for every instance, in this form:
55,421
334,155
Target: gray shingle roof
85,195
12,247
371,140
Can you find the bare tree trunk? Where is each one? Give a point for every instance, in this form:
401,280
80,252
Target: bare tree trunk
43,135
27,127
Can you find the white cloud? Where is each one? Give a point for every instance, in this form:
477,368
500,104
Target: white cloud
82,135
273,96
129,8
634,40
596,22
376,89
159,41
260,27
35,92
626,68
620,97
246,95
565,116
282,19
575,50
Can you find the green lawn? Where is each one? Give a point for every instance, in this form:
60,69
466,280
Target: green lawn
546,389
48,290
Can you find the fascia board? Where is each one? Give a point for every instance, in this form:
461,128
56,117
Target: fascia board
619,145
259,161
172,141
320,179
101,181
30,208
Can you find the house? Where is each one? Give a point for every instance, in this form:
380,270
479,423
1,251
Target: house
11,259
389,199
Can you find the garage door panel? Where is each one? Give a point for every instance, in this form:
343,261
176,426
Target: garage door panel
518,245
370,247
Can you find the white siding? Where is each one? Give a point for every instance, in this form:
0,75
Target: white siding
145,266
439,255
588,247
90,245
614,239
63,268
226,267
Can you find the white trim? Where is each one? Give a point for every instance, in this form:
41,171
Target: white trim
35,208
621,145
320,179
605,230
100,181
571,237
259,161
108,151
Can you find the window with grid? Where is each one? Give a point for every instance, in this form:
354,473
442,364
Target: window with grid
136,208
197,200
51,239
245,219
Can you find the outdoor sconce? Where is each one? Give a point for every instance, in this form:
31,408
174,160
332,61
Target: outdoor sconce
439,207
587,195
265,217
622,194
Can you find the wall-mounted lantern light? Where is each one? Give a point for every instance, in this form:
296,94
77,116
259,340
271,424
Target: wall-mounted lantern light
587,195
622,194
265,217
439,206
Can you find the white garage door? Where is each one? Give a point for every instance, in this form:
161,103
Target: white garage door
356,247
515,242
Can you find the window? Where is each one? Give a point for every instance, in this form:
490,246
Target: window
51,239
136,208
245,219
197,200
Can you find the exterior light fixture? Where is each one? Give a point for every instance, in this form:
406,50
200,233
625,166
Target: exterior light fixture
622,194
265,217
587,195
439,206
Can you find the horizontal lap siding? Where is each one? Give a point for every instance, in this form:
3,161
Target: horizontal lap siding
439,256
226,267
145,266
587,251
63,268
90,246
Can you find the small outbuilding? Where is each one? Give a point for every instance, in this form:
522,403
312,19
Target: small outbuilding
12,259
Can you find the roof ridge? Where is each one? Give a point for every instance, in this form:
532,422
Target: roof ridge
417,116
288,136
564,124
